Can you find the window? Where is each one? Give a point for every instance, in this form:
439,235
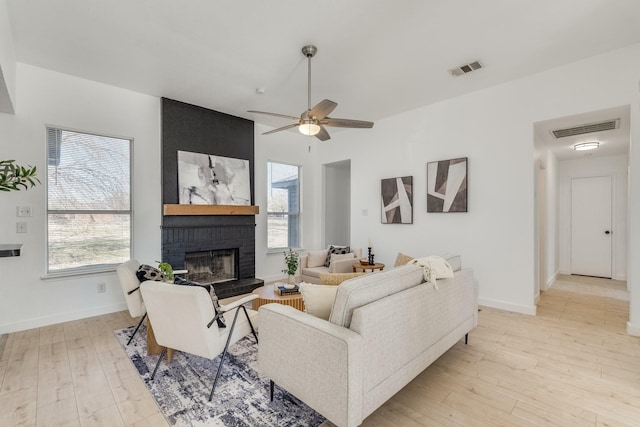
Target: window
88,201
283,206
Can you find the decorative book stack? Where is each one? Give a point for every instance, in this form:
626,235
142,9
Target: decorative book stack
281,290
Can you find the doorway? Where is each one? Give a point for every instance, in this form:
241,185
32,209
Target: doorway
591,233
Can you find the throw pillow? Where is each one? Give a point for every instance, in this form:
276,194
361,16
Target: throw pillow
333,249
318,299
316,258
212,293
338,257
402,259
146,272
334,279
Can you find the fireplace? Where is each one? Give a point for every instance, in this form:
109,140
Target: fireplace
215,266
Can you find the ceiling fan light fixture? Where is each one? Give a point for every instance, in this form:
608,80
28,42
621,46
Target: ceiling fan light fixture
586,146
309,128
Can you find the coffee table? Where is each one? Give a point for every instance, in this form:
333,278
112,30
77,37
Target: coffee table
364,268
267,295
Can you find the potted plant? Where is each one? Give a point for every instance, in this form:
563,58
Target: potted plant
167,271
291,259
16,177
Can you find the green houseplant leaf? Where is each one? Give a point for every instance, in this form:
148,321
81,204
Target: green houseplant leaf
16,177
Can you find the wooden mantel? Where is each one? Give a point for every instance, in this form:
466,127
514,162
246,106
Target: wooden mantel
172,210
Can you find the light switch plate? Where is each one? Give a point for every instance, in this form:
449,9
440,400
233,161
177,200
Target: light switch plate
21,227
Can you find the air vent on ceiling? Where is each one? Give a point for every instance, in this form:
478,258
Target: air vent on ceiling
466,68
587,128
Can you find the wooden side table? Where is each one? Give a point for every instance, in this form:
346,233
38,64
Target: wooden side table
364,268
267,295
153,347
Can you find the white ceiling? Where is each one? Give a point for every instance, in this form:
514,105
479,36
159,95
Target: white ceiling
612,142
376,58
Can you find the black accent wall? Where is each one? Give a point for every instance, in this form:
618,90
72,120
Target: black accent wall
187,127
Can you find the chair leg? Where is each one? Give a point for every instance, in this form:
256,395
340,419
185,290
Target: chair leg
271,387
253,331
164,351
137,327
224,353
466,338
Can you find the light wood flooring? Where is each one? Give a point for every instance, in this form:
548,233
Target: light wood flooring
572,364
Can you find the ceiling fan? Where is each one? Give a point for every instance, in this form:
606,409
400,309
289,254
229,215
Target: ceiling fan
312,122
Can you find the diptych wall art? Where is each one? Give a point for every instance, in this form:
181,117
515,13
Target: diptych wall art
447,185
206,179
397,200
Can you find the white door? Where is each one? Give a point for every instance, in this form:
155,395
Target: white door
591,226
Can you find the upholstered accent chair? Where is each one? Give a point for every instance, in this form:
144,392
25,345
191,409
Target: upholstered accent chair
131,289
183,318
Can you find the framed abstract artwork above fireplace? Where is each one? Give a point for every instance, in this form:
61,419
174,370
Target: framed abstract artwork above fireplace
208,179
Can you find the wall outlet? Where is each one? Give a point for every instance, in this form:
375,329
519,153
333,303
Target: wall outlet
102,288
23,211
21,227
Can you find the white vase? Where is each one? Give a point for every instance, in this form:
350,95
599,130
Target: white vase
291,279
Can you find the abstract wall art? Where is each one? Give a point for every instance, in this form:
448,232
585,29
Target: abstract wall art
397,200
206,179
447,185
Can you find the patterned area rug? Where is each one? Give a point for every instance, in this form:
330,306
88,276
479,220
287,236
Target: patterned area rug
182,388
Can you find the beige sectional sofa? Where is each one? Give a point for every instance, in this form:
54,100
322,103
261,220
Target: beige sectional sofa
384,329
312,264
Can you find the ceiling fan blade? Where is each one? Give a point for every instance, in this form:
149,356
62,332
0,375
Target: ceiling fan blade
274,114
282,128
323,135
346,123
322,109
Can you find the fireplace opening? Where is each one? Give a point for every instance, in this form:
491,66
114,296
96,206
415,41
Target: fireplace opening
214,266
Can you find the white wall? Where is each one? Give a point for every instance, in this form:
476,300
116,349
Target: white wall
336,205
493,128
616,167
291,148
26,300
7,62
552,167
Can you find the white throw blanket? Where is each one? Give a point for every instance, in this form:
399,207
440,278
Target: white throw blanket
434,267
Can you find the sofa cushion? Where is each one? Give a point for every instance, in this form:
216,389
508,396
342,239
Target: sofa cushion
340,257
333,249
316,258
315,271
318,299
371,287
454,261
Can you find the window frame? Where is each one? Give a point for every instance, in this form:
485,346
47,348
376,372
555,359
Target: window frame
287,213
98,267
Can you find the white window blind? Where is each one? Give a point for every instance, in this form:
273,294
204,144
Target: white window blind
283,206
88,200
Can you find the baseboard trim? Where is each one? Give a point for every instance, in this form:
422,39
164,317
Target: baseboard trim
66,317
516,308
633,329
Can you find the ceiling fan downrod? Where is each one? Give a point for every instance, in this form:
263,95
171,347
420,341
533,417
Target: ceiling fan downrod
309,51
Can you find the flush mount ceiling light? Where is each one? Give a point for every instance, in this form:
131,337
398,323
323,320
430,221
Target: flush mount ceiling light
313,121
586,146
